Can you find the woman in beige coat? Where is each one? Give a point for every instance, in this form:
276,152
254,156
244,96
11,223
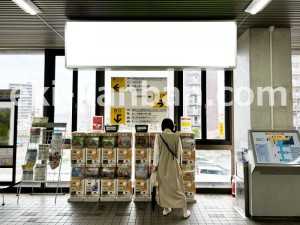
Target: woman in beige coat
167,149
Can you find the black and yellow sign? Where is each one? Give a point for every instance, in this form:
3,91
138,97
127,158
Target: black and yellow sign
160,101
117,115
221,128
118,83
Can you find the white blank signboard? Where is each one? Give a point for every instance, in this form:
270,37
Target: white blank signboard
150,44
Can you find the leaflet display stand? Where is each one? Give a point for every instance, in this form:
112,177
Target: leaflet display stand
274,168
44,148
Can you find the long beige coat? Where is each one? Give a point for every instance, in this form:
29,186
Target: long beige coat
170,181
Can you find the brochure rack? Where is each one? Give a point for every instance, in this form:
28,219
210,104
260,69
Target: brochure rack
44,152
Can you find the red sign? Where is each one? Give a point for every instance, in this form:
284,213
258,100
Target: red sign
98,123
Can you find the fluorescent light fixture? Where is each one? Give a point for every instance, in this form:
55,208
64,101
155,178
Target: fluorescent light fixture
150,44
28,6
257,6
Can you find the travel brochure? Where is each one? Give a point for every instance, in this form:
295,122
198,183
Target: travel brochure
39,121
40,172
44,151
31,157
55,152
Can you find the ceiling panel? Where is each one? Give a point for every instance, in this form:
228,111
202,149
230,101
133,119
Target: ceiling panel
21,30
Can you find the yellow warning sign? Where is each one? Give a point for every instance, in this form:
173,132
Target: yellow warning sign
221,128
160,101
117,115
118,83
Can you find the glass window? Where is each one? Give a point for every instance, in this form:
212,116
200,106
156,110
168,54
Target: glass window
215,101
63,94
296,90
24,71
86,100
192,99
213,168
62,114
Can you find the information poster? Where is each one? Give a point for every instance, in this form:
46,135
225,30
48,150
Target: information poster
277,147
138,100
186,124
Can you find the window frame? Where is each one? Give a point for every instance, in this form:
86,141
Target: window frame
228,112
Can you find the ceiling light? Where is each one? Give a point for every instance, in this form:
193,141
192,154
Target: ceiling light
257,6
28,6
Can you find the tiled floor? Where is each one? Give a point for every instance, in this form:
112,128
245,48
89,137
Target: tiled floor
209,209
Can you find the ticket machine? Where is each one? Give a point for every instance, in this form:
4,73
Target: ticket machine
274,173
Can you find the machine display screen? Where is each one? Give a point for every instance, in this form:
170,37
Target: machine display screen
276,147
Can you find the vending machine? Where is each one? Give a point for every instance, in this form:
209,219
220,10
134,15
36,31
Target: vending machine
78,163
124,167
188,159
142,160
109,166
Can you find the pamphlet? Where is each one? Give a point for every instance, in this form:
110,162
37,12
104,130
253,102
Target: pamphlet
39,121
40,172
44,151
31,157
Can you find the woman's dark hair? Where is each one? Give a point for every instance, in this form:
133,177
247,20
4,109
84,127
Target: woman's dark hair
167,123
